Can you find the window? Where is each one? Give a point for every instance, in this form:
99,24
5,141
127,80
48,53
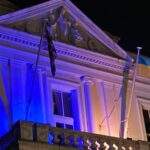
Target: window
146,115
62,109
64,104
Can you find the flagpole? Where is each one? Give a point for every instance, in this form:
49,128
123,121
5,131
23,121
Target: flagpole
34,75
132,92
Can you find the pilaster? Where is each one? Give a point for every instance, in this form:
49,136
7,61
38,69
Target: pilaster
86,85
17,80
41,72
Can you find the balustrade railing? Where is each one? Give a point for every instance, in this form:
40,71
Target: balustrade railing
43,133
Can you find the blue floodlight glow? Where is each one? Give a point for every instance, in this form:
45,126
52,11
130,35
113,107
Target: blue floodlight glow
4,124
21,91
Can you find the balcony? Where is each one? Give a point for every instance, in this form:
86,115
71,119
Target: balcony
34,136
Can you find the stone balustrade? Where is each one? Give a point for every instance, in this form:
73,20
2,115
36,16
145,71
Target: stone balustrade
46,137
26,135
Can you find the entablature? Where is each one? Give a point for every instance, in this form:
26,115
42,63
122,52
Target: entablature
29,43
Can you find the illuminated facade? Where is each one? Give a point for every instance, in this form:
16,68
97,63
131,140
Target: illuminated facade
92,86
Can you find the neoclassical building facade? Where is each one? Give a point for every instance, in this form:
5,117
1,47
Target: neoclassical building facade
92,87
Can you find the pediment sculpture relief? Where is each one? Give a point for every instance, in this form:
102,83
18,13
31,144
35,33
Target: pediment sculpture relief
64,28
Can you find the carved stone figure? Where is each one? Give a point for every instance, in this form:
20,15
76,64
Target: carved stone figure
64,27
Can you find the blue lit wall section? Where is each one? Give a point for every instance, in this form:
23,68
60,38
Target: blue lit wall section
46,102
16,81
17,96
4,124
36,113
75,110
88,107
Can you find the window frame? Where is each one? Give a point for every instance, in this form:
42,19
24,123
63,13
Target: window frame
64,86
143,103
64,120
62,101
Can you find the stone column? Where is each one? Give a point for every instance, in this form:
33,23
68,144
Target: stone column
86,83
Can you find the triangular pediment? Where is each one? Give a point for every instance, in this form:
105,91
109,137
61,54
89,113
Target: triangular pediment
68,25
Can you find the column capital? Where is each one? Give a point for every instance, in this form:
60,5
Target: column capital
86,79
97,80
40,69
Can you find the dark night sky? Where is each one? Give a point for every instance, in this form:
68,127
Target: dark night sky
129,21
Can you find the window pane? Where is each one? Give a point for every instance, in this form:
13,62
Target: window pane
69,126
147,123
59,125
57,103
67,105
148,138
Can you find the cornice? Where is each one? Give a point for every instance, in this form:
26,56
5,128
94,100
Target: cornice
75,70
19,38
88,57
31,11
143,83
25,41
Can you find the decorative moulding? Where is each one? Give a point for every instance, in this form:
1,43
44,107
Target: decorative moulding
30,12
76,13
13,38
